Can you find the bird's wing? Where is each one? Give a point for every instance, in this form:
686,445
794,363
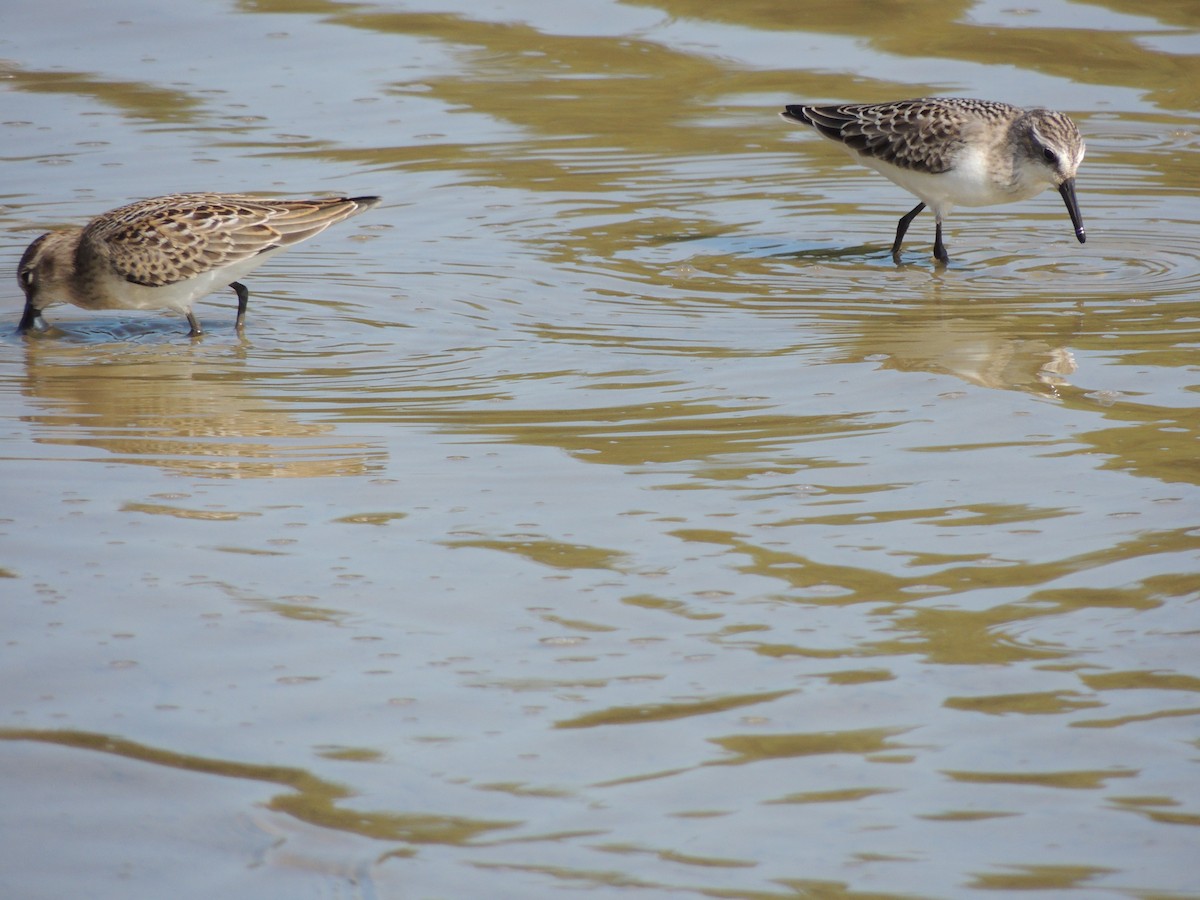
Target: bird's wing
913,134
177,237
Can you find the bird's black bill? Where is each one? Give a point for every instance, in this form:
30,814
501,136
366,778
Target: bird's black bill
31,317
1067,189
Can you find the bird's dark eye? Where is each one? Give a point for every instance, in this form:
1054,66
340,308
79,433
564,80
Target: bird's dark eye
25,276
1050,156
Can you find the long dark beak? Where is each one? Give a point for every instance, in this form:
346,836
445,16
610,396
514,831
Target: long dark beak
32,316
1067,189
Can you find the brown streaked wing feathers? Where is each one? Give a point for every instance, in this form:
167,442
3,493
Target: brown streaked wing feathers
904,133
174,238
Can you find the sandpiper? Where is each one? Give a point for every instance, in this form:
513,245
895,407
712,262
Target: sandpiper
167,252
951,151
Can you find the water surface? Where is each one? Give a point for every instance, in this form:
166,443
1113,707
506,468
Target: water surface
606,511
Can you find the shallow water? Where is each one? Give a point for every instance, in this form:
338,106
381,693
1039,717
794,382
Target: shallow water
605,511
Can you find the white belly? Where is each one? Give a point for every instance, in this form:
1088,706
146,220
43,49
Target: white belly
116,293
970,183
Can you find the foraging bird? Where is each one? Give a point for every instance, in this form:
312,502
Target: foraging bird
167,252
952,151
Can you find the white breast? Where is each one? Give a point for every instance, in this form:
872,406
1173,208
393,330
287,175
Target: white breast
969,183
116,293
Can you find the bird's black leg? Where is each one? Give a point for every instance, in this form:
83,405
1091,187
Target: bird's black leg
902,229
196,329
243,296
939,249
